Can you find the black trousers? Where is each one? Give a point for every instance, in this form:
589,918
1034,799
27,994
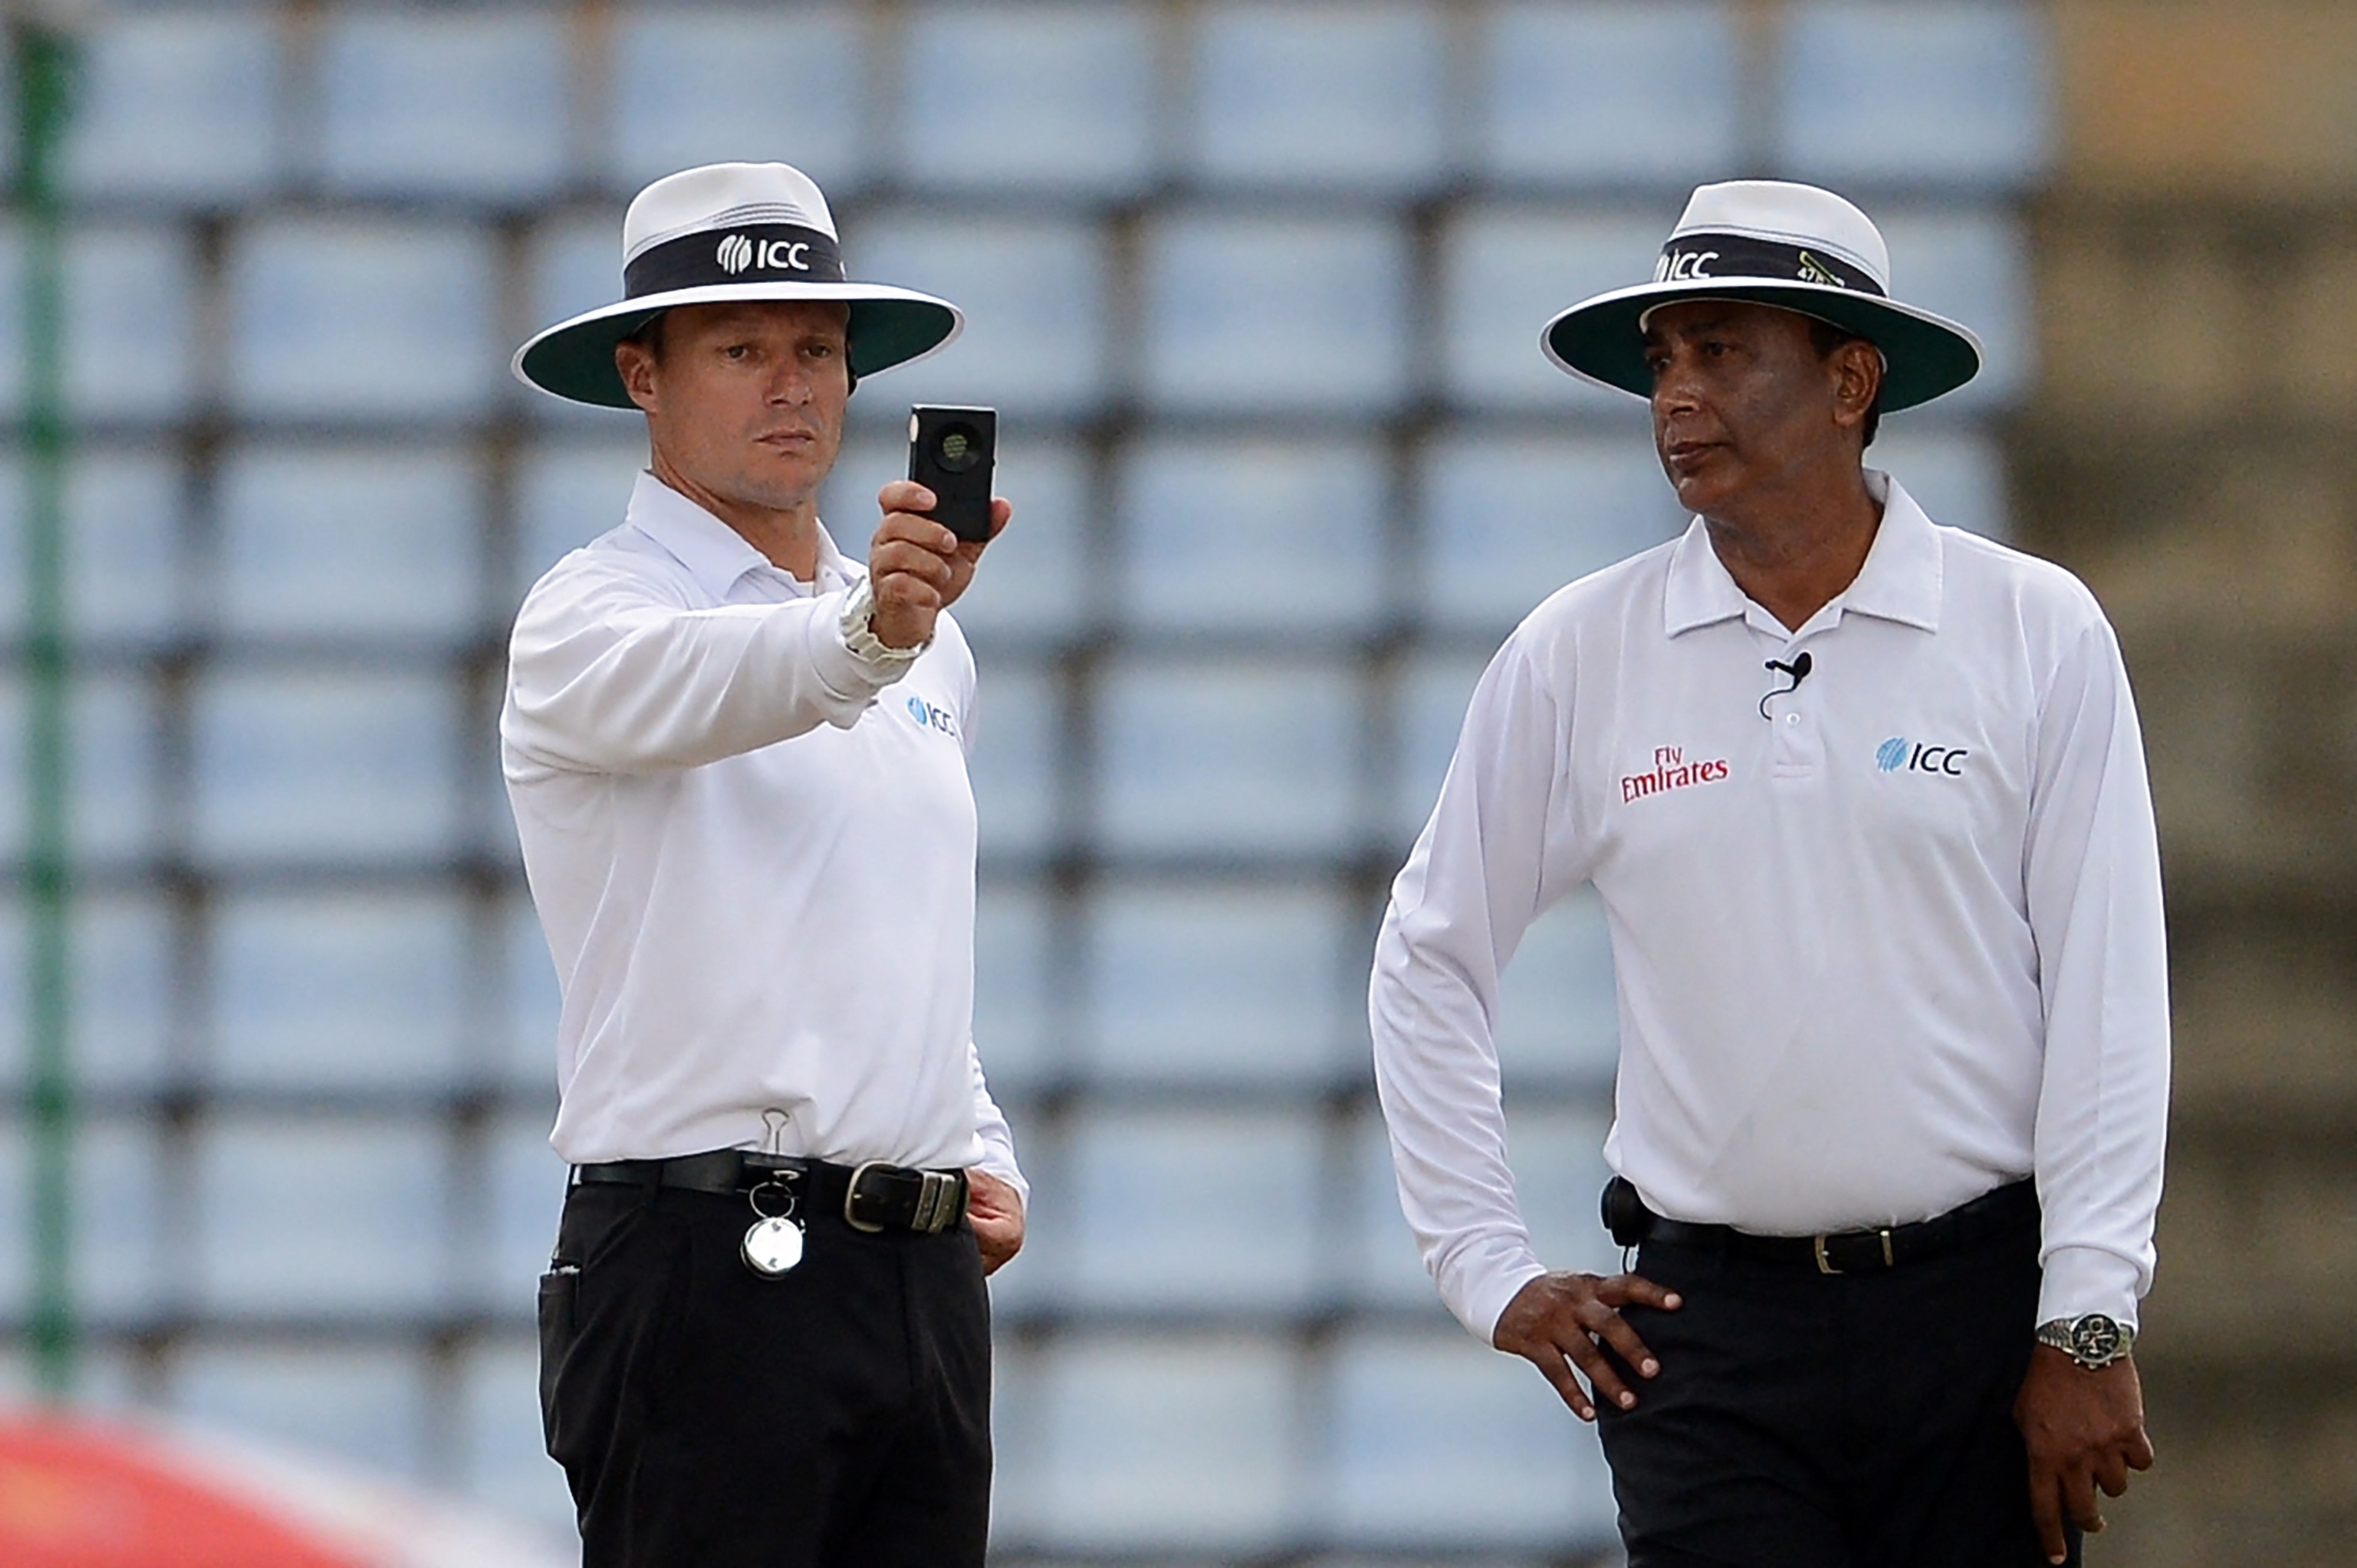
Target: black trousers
837,1416
1850,1420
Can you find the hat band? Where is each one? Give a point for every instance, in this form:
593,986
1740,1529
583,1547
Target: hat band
1740,256
763,253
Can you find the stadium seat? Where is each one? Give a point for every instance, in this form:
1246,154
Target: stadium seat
1570,93
361,1404
310,297
1184,1443
177,106
118,1221
507,1466
324,764
1139,1187
1203,983
1220,534
113,1225
1954,91
468,104
1038,98
1226,756
338,990
1331,95
1018,975
1247,313
1439,1443
355,542
693,85
121,1003
124,514
111,808
129,323
300,1217
1017,759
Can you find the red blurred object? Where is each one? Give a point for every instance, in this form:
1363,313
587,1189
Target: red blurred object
75,1494
82,1493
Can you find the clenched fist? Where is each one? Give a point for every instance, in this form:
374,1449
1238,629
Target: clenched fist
917,567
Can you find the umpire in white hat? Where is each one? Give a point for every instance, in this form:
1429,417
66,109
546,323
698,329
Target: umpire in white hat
764,1332
1865,802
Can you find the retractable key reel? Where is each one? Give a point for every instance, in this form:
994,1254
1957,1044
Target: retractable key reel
773,1244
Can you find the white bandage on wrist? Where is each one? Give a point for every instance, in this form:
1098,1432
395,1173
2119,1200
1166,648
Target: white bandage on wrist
859,636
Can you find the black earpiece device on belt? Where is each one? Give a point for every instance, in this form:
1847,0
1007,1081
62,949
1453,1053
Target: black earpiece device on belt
1625,1214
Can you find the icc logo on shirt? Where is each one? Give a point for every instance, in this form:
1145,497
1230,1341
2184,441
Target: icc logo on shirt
1898,753
931,717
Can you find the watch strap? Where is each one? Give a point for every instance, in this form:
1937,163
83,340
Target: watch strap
859,633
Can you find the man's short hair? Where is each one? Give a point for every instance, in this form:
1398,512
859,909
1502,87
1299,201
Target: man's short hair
649,335
1826,338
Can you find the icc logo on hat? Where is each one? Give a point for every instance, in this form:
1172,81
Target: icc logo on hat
736,252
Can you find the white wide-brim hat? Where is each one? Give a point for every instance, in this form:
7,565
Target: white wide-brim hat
1765,241
717,235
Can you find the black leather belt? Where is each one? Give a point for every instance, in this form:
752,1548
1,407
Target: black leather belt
2008,1209
871,1197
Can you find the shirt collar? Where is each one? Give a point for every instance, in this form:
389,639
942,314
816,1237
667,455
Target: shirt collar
1901,580
715,554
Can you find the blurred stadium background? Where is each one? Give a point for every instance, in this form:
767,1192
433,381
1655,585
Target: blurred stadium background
1257,286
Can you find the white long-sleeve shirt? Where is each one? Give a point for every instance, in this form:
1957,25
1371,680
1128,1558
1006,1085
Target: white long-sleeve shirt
755,878
1894,946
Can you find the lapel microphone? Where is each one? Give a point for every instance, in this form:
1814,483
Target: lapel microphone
1798,669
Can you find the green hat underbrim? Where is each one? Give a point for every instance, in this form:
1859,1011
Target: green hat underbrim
1924,356
575,359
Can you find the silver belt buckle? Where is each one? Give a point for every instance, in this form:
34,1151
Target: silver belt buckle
1826,1264
851,1196
938,1204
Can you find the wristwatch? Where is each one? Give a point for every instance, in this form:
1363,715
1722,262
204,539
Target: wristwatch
2092,1339
859,609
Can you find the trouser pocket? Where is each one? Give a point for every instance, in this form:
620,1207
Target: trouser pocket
558,1290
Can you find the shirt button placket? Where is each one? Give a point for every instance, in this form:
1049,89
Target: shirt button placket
1796,747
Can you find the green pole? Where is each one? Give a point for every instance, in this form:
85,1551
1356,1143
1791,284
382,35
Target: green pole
43,64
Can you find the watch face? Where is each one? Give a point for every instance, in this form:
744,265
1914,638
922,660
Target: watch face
2094,1337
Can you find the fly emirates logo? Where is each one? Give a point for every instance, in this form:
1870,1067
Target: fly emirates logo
1670,771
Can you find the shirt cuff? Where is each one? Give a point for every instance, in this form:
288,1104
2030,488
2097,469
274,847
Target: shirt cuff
2080,1280
995,1161
1487,1301
851,680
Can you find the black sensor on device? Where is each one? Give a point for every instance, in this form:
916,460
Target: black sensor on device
950,452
